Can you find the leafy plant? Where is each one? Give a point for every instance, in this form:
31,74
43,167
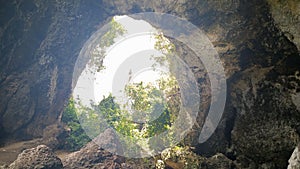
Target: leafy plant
151,109
111,111
108,39
76,136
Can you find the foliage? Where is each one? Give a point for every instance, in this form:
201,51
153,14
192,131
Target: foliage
90,120
149,100
69,113
167,49
151,108
111,111
76,137
108,39
163,44
116,29
146,99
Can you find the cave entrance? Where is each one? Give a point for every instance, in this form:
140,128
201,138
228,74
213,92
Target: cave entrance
128,81
130,53
133,75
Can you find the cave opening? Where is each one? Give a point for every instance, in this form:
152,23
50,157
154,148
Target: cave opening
138,77
125,80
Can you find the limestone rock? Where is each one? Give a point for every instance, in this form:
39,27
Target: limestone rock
287,16
294,161
265,123
96,153
256,40
39,157
181,158
219,161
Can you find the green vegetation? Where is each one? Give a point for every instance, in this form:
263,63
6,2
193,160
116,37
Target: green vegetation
163,45
116,29
108,39
147,100
76,137
111,112
144,99
150,110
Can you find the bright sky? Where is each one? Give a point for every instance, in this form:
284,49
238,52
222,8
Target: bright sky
128,57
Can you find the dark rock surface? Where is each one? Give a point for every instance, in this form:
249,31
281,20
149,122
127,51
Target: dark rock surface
39,157
257,41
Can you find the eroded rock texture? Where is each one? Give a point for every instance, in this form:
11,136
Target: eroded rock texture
39,157
294,161
93,155
286,15
256,40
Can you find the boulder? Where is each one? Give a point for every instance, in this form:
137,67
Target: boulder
40,157
96,154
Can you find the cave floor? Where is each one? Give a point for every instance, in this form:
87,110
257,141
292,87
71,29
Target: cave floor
10,152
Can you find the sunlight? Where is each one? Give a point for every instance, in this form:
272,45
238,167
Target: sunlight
139,37
128,82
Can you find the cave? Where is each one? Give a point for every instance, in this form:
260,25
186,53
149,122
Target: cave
241,57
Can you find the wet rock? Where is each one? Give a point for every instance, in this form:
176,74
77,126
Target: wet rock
39,157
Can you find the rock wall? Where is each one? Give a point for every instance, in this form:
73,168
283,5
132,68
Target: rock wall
40,41
287,17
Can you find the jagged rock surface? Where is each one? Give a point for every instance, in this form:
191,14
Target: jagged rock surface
287,16
257,41
294,161
39,157
96,154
